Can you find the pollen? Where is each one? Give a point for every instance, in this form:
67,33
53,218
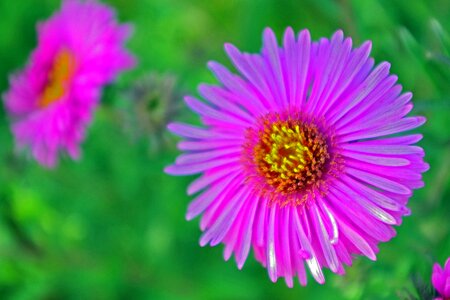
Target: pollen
288,156
59,78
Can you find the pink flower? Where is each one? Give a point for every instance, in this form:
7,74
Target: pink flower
298,156
441,280
51,101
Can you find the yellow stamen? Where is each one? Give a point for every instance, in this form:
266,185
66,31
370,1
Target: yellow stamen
59,78
290,155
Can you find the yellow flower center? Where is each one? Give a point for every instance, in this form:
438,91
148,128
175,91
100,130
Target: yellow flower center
290,156
59,78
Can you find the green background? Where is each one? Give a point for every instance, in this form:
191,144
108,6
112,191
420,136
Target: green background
112,225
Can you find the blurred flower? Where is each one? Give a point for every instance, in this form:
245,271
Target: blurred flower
441,280
298,155
152,101
51,101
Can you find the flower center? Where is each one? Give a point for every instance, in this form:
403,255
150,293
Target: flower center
59,78
288,157
291,155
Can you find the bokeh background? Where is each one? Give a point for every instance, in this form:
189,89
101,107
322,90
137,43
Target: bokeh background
112,225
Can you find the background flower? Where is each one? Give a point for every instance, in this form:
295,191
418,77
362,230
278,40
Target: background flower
51,101
441,280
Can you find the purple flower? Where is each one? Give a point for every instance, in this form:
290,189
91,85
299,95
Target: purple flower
441,280
298,155
51,101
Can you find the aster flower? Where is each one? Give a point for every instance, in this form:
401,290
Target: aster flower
298,157
441,280
51,101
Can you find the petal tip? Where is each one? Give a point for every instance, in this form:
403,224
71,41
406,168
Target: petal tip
289,31
338,34
240,264
268,31
169,170
229,47
189,216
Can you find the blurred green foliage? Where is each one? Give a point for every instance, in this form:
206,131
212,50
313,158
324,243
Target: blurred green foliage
112,226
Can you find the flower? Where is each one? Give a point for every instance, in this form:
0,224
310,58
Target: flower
298,155
441,280
51,101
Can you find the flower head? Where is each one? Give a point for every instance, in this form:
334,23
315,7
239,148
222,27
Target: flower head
51,101
441,280
301,155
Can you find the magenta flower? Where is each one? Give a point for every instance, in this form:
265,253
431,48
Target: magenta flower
51,101
298,156
441,280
